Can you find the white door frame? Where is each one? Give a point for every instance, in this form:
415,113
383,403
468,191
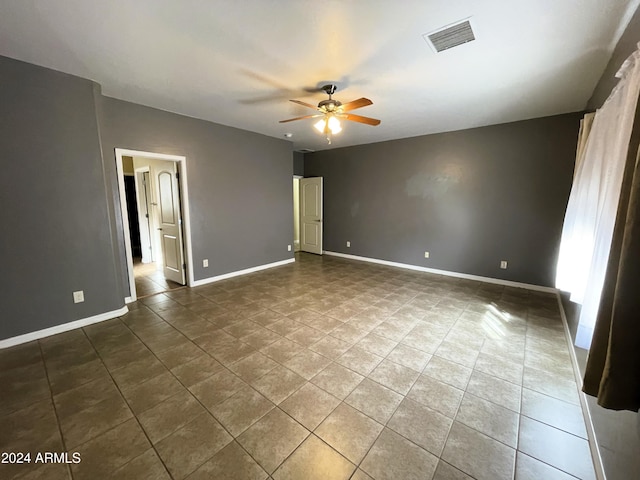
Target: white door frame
184,203
147,221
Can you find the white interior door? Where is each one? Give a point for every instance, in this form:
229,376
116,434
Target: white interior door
311,215
169,221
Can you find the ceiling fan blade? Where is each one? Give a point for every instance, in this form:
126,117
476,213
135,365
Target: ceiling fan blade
300,118
359,103
361,119
304,104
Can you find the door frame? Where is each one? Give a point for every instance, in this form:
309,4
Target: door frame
181,164
148,220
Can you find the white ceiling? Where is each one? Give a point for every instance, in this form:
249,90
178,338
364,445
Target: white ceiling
236,62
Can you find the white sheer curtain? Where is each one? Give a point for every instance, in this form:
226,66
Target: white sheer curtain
593,202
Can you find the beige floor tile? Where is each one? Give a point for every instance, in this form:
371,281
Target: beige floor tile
86,424
110,450
241,410
306,335
349,432
262,338
282,331
272,439
190,446
339,381
409,357
528,468
145,395
551,385
374,400
489,418
197,370
330,347
180,354
348,333
230,463
554,412
315,460
496,390
448,372
310,405
393,457
447,472
253,366
307,364
376,344
394,376
138,372
458,353
423,426
359,360
436,395
499,367
278,384
282,350
559,449
477,455
84,396
168,416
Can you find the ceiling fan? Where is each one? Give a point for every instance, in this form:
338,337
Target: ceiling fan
332,111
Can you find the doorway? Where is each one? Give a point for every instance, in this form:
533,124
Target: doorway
163,260
311,215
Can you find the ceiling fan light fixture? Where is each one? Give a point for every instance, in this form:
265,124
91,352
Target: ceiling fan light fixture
332,122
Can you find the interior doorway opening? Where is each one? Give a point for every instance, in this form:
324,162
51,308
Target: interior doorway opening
153,198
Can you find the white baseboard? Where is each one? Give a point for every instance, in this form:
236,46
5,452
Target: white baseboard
586,413
217,278
466,276
65,327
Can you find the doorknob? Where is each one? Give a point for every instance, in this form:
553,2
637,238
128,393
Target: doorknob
159,229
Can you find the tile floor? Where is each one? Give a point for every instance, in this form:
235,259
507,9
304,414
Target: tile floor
322,369
150,279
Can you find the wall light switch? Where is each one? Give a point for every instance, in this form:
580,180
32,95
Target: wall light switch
205,262
348,244
288,248
78,297
426,254
503,264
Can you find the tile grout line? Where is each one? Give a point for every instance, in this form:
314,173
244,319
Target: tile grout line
596,458
128,406
53,404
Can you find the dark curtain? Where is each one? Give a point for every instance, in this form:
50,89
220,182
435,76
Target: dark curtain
613,367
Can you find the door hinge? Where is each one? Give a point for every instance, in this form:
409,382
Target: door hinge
178,175
184,266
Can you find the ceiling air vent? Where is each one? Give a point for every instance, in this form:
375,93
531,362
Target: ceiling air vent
305,150
451,36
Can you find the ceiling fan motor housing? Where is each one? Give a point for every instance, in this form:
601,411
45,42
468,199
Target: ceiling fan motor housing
329,105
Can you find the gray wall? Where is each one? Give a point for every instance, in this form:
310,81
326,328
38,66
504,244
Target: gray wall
61,216
625,47
239,183
471,198
298,163
54,206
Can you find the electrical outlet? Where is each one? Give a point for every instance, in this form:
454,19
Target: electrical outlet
78,297
288,248
205,262
426,254
503,264
348,244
